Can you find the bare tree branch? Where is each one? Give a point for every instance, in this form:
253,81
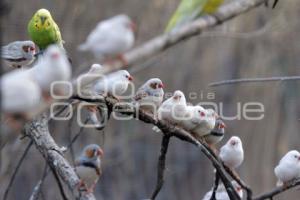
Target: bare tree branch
161,165
254,80
278,190
38,131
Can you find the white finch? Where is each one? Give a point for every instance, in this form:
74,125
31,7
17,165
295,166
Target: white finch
207,123
52,66
217,134
88,166
221,193
111,37
288,168
18,53
20,95
232,153
150,95
193,117
173,109
114,84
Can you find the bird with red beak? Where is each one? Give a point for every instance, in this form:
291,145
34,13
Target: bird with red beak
232,153
88,167
150,95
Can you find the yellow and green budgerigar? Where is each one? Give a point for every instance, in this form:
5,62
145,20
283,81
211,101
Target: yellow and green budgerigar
43,30
188,10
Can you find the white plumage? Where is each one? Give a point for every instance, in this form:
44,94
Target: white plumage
232,153
114,84
150,95
193,117
19,95
18,53
206,124
288,167
173,109
110,38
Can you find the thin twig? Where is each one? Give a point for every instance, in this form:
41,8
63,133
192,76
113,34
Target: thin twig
278,190
161,165
216,185
37,189
9,186
254,80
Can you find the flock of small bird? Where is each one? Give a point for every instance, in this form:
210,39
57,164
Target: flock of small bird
24,88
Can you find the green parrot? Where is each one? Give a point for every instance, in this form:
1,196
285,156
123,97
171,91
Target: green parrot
188,10
43,30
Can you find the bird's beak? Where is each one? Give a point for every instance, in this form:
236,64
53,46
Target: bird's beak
43,19
55,55
130,78
222,125
161,85
100,153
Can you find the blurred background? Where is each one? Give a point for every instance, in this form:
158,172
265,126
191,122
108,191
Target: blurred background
261,43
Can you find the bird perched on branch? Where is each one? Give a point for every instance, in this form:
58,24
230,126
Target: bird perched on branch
53,66
150,95
88,167
43,30
206,124
232,153
193,117
18,53
111,38
189,10
114,84
288,168
217,134
173,109
221,193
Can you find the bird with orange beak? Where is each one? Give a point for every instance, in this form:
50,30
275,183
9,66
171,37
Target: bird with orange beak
217,134
150,95
232,153
173,110
88,167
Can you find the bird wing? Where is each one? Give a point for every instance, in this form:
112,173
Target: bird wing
186,11
12,51
108,35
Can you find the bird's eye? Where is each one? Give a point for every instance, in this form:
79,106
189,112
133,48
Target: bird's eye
48,24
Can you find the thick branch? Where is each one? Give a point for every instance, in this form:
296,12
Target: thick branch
254,80
38,131
161,166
